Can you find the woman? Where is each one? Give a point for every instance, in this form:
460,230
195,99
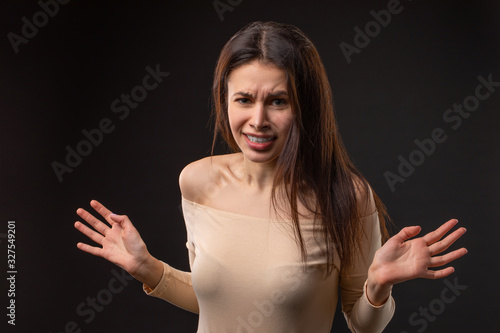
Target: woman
274,228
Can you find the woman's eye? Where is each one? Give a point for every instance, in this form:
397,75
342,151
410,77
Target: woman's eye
279,102
243,100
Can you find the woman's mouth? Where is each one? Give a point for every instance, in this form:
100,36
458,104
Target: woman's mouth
259,143
257,139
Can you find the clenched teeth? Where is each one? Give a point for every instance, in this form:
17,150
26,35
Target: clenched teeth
259,140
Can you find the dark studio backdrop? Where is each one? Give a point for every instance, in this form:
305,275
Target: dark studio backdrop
417,94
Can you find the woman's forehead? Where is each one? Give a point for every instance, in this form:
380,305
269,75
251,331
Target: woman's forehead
256,78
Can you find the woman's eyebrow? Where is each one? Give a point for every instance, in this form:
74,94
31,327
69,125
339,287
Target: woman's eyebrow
244,94
271,95
278,94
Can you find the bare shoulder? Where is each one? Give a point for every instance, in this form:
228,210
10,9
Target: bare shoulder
364,197
199,178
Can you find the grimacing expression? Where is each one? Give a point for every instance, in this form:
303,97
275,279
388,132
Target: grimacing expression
259,110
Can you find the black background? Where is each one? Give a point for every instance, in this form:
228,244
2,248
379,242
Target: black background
396,90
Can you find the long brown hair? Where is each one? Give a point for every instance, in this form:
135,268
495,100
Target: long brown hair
314,160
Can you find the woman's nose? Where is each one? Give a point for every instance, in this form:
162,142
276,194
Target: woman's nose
259,117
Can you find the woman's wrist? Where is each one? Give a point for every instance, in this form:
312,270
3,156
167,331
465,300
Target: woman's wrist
378,289
150,271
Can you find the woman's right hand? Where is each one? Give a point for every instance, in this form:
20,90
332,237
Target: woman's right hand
120,243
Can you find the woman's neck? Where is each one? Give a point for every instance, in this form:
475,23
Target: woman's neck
258,175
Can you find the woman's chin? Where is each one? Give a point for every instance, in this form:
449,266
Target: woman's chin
259,156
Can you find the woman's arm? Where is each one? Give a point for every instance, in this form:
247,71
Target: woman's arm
369,306
362,315
122,245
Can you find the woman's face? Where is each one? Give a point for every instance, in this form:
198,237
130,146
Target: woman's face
259,110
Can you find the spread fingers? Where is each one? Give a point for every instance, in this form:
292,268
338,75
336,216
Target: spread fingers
93,235
95,223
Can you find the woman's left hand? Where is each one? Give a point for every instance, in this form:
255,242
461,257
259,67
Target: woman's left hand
402,259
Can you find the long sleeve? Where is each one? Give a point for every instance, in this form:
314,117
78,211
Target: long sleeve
176,287
360,314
